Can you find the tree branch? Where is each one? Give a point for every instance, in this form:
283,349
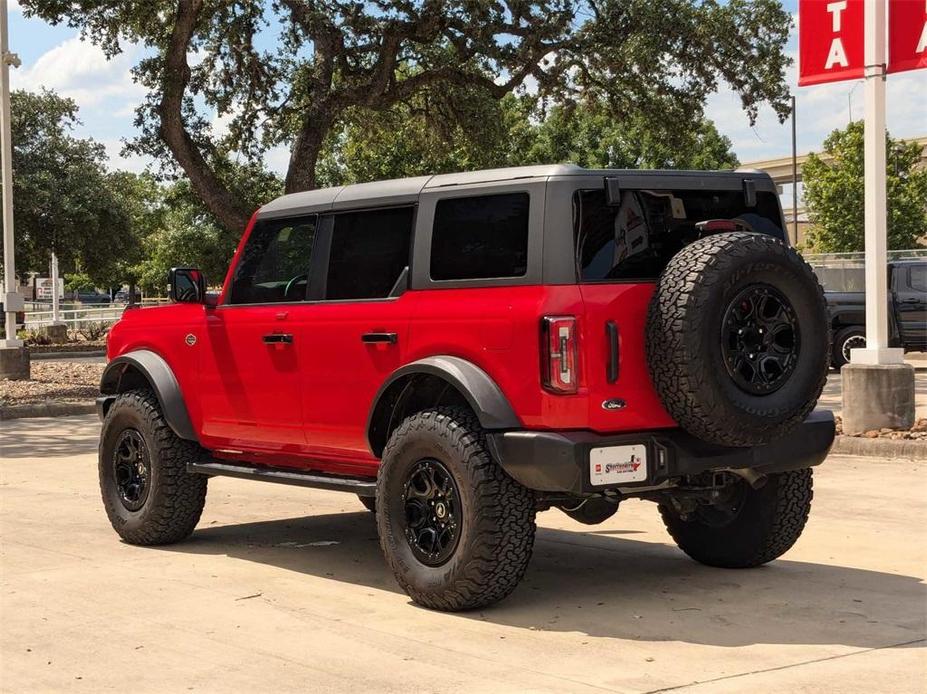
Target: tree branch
175,76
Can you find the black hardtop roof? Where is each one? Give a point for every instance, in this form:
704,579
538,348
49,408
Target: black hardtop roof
406,190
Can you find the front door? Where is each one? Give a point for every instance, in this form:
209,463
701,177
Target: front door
251,361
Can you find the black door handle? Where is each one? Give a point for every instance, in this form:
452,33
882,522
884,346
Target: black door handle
389,338
278,339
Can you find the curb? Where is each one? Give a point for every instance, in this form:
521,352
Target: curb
66,355
47,409
880,448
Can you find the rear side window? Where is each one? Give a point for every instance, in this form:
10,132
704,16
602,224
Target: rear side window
274,264
369,251
636,239
480,237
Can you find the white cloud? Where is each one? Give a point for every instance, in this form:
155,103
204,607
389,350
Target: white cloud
132,162
277,159
820,110
15,7
81,71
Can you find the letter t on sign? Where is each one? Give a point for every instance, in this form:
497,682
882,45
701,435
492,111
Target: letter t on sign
830,40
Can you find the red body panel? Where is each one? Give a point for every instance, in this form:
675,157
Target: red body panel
306,403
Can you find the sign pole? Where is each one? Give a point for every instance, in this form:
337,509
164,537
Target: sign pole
12,301
877,349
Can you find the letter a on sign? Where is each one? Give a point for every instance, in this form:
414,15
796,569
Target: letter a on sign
830,40
907,35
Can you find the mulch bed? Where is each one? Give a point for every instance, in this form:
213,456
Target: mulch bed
60,381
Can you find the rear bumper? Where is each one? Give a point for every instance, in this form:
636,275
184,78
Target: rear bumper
552,461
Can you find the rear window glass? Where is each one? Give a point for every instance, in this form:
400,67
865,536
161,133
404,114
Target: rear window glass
480,237
636,239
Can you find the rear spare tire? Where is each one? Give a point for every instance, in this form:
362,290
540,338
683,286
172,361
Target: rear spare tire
738,340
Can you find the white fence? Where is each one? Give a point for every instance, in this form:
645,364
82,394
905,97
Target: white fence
76,318
79,316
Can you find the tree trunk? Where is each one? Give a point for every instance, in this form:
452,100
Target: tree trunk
305,156
214,194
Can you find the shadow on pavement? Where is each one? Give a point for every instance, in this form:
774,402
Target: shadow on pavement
620,588
49,437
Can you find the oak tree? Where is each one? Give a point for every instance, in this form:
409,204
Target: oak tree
287,72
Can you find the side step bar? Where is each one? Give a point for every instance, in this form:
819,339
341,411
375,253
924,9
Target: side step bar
359,485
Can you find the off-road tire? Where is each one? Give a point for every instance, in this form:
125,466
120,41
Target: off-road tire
768,524
175,497
497,530
684,335
592,511
369,502
840,339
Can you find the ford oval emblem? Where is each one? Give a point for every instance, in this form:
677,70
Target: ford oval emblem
614,404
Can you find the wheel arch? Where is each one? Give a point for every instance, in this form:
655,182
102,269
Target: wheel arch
432,381
145,369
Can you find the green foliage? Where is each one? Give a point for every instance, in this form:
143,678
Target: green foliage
297,73
181,232
407,141
78,282
63,198
835,197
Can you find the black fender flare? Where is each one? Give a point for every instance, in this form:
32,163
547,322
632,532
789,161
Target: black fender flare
156,371
481,392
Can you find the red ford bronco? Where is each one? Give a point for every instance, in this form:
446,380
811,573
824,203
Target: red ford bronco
464,350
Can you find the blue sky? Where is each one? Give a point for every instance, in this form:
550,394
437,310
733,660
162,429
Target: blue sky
56,58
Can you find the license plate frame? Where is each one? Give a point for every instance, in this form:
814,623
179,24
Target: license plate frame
617,465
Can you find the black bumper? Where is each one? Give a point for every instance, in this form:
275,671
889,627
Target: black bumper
559,461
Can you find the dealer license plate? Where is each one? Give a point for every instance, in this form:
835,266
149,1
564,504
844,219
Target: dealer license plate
617,464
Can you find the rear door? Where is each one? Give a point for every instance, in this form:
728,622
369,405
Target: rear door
355,329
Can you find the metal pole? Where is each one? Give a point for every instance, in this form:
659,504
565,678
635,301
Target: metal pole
56,302
12,301
794,176
876,235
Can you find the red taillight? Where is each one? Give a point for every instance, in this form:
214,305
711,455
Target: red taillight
559,350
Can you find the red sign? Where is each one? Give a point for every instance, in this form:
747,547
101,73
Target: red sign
830,41
907,35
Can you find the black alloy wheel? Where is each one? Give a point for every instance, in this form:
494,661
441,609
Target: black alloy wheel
432,512
760,339
131,469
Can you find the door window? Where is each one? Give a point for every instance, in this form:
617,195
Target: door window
369,251
480,237
274,264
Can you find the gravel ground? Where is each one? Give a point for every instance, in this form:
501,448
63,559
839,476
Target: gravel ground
61,381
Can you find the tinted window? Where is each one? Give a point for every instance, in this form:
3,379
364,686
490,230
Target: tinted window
274,264
369,252
636,239
480,237
917,278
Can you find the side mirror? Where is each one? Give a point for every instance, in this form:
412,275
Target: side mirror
186,285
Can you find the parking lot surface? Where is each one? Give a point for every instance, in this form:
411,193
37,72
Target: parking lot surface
284,589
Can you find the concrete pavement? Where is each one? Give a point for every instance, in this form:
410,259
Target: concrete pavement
284,589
